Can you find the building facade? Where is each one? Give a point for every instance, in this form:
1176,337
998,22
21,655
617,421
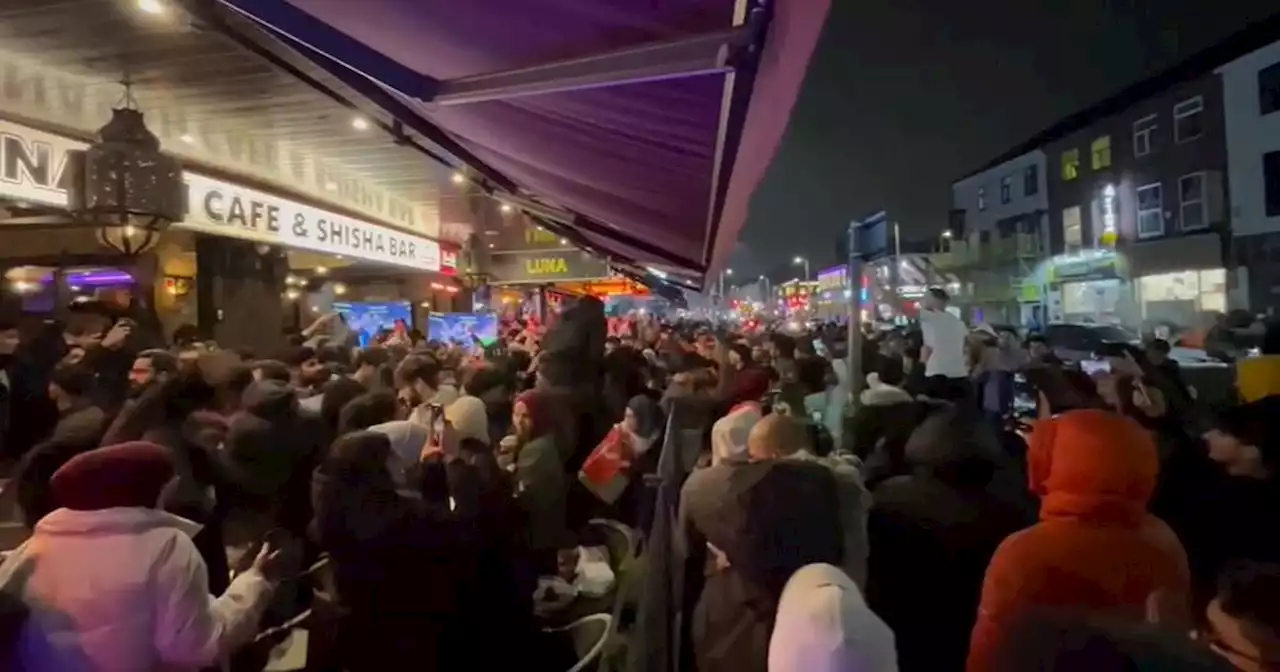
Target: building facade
1137,210
1142,195
1002,211
1251,98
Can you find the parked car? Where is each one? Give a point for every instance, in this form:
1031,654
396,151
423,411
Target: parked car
1073,342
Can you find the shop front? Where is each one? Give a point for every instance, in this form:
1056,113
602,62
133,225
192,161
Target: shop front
1088,286
542,279
1178,279
242,263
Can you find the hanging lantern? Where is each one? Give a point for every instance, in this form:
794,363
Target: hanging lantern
125,186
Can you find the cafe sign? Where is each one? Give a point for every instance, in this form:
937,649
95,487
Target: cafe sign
225,209
32,171
546,267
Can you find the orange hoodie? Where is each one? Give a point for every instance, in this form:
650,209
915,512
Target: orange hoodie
1095,548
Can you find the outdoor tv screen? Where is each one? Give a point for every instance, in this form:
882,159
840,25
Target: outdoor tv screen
460,327
369,318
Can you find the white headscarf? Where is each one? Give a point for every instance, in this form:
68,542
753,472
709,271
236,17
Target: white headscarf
407,439
729,434
824,625
469,419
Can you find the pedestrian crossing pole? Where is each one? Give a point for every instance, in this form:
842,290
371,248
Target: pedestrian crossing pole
854,357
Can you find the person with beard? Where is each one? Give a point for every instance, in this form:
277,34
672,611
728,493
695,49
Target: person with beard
418,386
150,367
366,367
306,369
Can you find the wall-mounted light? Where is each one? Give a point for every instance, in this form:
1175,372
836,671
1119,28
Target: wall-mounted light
457,178
451,289
425,304
292,280
505,208
322,270
360,124
292,294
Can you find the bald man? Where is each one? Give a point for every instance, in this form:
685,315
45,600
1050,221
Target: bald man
782,437
777,436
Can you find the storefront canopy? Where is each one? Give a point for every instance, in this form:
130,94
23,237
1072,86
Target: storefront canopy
638,127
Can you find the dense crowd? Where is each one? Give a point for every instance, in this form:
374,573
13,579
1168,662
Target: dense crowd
712,497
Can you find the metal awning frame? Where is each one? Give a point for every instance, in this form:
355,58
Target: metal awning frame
733,52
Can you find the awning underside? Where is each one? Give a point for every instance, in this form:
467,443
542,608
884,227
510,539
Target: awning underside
619,121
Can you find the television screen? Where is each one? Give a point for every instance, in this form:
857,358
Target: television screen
366,319
460,327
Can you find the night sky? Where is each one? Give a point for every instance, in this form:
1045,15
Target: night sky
904,96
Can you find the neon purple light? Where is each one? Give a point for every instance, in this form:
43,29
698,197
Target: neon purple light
99,278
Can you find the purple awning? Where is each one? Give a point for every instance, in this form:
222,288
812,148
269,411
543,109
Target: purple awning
656,166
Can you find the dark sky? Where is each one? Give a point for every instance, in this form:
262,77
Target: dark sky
903,96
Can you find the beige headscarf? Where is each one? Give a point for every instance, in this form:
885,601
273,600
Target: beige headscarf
729,434
469,419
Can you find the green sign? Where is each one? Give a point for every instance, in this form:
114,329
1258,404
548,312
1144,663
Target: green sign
545,267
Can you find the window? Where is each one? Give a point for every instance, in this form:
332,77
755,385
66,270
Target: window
1188,119
1151,210
982,198
1271,178
1070,165
1006,189
1269,88
1031,180
1144,131
1101,152
1072,229
1191,204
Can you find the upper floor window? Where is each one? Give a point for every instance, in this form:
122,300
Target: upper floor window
1072,229
1070,164
1144,131
1188,119
1100,150
1192,211
1031,180
982,198
1006,189
1151,210
1271,182
1269,88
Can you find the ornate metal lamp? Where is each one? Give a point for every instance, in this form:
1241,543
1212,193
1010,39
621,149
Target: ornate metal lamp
124,185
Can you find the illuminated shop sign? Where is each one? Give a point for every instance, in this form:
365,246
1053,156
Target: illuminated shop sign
225,209
32,170
536,267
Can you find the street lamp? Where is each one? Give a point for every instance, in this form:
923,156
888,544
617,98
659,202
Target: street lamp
946,233
802,261
723,274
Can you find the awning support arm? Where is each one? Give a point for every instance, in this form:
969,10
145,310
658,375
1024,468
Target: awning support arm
709,53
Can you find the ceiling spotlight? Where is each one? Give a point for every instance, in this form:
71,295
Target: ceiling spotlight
491,246
360,124
564,241
188,138
321,270
457,178
331,186
339,289
506,208
151,6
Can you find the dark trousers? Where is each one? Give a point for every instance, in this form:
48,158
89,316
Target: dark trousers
955,390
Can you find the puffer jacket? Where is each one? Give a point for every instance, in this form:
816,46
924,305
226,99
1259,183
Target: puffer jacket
148,609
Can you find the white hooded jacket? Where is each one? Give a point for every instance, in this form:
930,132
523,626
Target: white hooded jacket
824,625
124,590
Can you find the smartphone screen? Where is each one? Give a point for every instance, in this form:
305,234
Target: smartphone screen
437,426
1095,366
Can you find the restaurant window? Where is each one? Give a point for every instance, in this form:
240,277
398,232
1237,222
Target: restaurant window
1070,165
1269,89
1101,152
1006,189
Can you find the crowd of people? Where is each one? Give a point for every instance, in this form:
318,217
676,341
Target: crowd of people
182,499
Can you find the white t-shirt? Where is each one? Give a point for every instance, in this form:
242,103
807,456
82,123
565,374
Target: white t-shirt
944,334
